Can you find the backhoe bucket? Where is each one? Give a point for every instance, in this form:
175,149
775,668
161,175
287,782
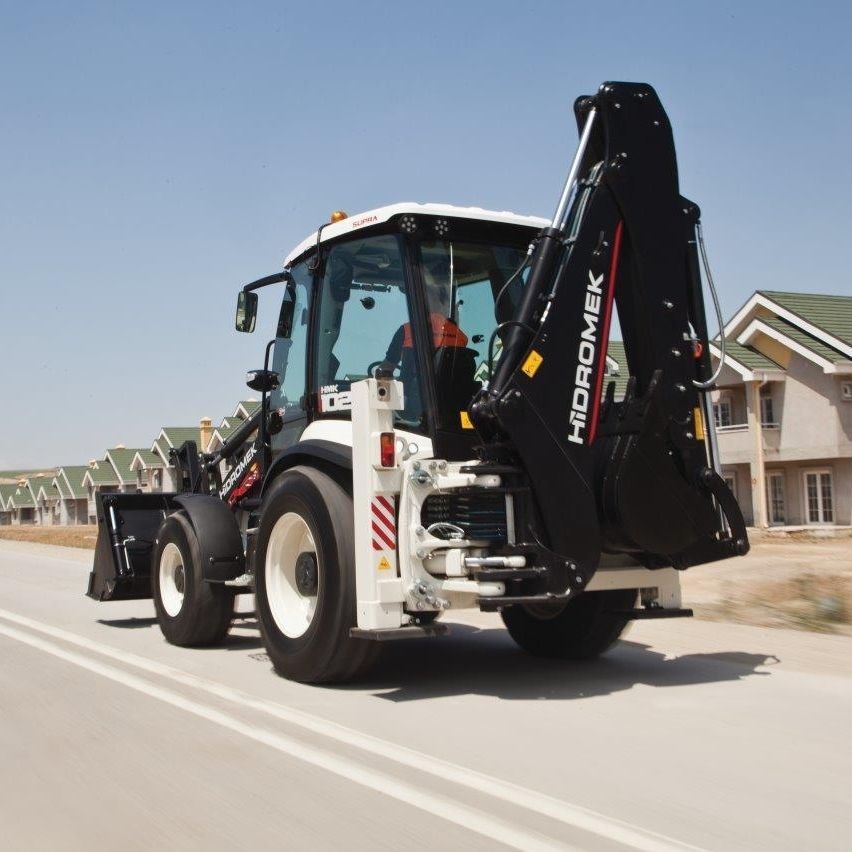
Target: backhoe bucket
127,528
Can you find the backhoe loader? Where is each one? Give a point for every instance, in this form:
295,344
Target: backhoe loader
438,429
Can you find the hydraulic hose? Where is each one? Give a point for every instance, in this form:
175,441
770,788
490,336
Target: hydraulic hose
706,264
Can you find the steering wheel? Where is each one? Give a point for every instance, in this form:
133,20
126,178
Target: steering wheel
378,364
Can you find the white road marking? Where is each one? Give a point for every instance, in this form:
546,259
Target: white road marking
575,816
467,817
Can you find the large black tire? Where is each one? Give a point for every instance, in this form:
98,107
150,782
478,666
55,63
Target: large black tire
203,615
583,629
306,628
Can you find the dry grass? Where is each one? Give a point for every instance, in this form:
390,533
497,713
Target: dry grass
818,602
799,582
79,536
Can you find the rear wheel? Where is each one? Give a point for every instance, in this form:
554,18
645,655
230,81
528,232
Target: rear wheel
305,580
190,610
580,630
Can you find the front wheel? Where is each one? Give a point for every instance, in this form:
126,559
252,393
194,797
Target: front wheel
305,580
580,630
190,610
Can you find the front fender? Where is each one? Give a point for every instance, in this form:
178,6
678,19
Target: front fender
219,540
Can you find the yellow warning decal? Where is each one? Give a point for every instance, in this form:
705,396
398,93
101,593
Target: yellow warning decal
465,420
384,565
699,424
533,362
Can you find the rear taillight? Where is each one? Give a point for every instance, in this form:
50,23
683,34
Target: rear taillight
387,449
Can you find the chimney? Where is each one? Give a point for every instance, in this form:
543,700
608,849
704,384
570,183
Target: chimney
205,431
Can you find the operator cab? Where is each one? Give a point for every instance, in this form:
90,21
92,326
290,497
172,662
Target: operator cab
417,290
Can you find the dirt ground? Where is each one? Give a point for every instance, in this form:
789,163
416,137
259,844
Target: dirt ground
796,582
78,536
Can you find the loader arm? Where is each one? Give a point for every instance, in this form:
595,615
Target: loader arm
636,476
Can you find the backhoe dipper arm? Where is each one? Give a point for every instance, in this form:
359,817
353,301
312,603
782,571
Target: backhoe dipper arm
635,476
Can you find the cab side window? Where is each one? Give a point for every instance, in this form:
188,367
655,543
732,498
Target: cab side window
363,319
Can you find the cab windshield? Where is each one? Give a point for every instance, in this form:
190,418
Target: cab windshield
365,318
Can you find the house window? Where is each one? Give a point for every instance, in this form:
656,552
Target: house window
846,391
767,415
731,482
775,501
819,497
722,413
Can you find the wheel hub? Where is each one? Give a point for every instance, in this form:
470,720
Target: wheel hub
306,574
292,572
180,579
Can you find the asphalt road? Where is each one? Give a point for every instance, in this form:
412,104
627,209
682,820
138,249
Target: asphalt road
688,734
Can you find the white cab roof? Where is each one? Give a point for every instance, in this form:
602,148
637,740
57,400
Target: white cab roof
382,214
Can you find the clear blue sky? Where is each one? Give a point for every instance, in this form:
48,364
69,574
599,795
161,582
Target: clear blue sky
155,156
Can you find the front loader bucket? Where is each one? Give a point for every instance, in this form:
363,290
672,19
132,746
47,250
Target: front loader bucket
127,528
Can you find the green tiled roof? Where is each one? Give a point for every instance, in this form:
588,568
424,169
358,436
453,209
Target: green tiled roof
37,482
748,356
72,475
6,491
21,498
149,458
121,458
102,475
832,314
51,492
250,405
176,435
225,432
804,339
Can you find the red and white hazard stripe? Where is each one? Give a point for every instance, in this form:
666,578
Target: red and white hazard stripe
383,517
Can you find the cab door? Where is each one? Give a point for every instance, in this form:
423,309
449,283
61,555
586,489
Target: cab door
289,358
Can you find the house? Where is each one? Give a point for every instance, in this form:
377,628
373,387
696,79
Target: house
45,498
22,505
222,433
100,477
148,468
171,437
130,479
6,491
616,368
48,501
73,506
783,408
246,408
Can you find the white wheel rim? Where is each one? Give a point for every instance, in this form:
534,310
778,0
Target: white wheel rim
172,578
291,610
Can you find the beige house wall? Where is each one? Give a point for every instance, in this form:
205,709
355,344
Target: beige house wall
810,420
794,489
813,432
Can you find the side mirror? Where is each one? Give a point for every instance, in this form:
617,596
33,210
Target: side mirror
246,311
262,381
